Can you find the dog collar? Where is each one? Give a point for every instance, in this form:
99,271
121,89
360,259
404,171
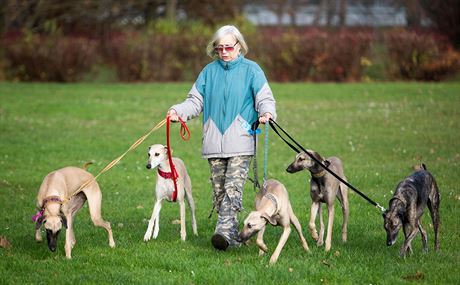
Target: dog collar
319,174
165,175
51,199
396,198
273,198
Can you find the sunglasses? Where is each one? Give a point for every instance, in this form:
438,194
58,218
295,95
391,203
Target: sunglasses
225,48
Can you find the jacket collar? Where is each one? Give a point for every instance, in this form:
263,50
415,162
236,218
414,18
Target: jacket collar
230,64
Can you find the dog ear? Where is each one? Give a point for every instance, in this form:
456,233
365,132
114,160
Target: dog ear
63,220
40,222
271,220
166,150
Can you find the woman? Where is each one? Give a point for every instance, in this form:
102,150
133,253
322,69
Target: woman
232,92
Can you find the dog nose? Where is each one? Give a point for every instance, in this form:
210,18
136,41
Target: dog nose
149,166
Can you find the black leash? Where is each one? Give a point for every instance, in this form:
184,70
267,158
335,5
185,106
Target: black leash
275,125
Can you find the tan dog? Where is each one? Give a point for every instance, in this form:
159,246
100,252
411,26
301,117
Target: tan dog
158,156
57,210
273,206
324,187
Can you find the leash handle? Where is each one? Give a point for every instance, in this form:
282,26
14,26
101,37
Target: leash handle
275,124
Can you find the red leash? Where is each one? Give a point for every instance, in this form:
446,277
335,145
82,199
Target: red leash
185,135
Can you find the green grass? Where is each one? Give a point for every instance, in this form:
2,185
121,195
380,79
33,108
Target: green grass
379,130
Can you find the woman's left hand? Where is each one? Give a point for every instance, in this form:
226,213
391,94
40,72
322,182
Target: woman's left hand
265,118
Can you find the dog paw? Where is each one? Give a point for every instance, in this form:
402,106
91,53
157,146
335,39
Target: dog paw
147,236
273,260
319,242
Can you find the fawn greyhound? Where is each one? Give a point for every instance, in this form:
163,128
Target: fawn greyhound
324,188
58,205
272,206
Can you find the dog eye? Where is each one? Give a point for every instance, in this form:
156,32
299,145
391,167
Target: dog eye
157,154
148,154
301,159
249,226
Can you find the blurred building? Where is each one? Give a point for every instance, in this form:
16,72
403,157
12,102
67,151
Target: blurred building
375,13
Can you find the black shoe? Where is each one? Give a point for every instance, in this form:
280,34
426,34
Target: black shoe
219,242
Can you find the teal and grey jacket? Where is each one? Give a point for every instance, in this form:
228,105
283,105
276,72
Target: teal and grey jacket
231,95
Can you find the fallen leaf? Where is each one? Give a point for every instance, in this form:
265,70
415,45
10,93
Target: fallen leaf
325,263
337,253
175,222
4,243
413,277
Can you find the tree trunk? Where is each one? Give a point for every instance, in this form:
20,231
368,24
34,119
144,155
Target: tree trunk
343,13
171,7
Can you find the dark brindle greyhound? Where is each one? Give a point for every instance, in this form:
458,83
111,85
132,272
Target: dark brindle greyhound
406,207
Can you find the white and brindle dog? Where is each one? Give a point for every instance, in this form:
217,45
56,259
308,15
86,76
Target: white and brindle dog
158,156
272,206
324,188
58,205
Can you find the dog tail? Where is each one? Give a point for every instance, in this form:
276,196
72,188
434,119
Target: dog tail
420,166
85,166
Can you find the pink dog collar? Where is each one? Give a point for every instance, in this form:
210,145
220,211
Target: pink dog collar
37,216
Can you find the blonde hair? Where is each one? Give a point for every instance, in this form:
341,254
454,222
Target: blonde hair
222,32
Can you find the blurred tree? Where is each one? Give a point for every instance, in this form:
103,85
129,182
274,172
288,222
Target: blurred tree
343,13
212,12
413,13
445,15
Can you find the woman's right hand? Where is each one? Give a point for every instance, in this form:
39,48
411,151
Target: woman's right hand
172,115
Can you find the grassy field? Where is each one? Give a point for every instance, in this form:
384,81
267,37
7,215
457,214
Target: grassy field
379,130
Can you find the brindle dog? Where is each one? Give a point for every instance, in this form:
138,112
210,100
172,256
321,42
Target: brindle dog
406,207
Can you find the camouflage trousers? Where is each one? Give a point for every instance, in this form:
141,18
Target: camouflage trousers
227,177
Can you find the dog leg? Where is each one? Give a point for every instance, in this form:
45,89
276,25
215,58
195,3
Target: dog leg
183,233
411,233
424,237
94,204
148,233
433,206
298,228
155,219
68,237
343,198
260,242
320,240
281,243
330,223
406,234
191,203
311,225
38,235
